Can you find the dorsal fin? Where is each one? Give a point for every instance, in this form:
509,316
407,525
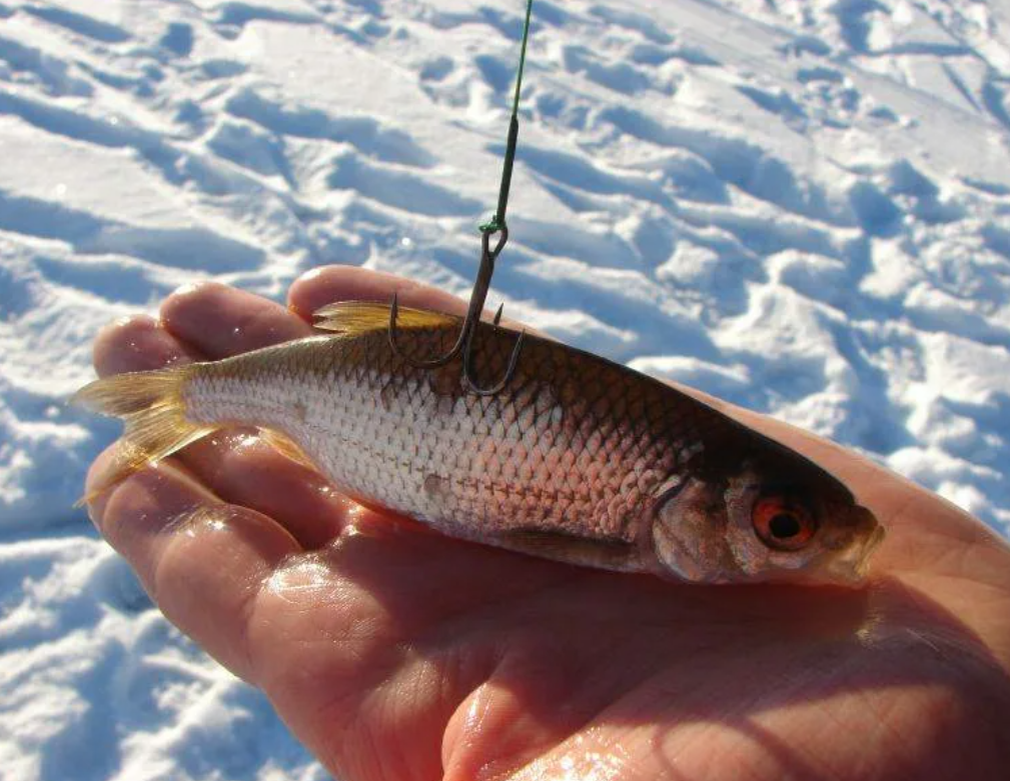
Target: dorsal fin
359,317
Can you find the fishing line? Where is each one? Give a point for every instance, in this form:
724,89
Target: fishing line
497,222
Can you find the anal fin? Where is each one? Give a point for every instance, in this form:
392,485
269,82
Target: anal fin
287,447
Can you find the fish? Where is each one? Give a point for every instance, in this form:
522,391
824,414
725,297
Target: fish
577,459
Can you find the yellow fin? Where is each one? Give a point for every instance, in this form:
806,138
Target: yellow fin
286,446
359,317
151,405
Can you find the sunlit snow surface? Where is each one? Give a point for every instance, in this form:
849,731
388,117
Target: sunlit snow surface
802,207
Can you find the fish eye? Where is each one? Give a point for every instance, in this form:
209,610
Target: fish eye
783,523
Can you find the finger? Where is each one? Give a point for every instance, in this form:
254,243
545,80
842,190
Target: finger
241,468
135,344
217,321
202,560
235,465
331,284
322,286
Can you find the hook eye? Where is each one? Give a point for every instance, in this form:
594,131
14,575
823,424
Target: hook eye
503,237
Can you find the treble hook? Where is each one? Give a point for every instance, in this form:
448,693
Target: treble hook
464,342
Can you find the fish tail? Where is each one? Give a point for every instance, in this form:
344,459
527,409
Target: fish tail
153,408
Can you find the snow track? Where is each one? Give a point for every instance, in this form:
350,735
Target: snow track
802,207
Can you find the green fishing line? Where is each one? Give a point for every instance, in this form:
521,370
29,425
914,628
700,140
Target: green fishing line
497,222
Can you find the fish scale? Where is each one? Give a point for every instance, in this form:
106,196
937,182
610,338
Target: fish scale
519,460
576,458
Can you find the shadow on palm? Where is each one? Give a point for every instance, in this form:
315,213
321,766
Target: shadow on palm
581,663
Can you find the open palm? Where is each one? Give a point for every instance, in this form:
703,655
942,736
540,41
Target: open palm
396,653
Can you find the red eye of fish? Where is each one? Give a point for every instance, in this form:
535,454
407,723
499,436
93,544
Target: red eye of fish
782,524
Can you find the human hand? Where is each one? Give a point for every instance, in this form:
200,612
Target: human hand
393,652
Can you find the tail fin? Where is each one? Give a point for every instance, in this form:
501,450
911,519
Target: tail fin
152,406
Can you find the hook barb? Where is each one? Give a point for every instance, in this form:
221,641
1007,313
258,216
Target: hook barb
498,387
431,363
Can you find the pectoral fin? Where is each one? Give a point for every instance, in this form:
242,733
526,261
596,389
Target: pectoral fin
602,553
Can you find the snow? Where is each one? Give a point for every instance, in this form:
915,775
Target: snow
800,206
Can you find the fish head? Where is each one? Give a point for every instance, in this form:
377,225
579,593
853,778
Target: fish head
777,518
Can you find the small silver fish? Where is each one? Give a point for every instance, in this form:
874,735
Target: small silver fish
577,459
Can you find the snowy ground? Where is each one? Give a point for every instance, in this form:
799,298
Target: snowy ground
801,206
